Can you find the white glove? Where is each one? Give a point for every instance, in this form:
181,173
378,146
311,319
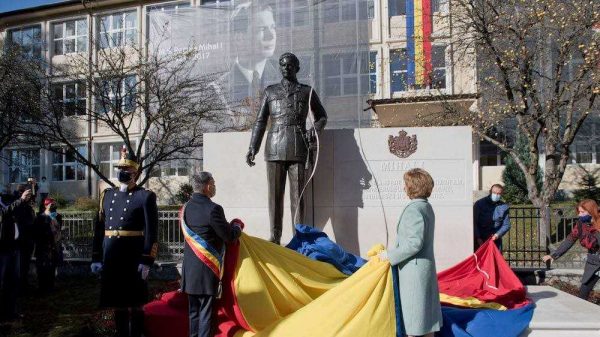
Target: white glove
96,267
383,256
144,270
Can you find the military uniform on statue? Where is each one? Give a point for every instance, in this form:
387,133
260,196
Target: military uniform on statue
125,246
288,142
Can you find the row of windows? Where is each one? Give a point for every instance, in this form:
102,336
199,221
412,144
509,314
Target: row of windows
26,163
121,28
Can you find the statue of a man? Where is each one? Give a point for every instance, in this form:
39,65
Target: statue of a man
288,142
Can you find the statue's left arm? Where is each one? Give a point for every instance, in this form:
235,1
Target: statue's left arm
318,111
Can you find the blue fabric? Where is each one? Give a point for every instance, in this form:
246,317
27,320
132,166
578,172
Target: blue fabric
398,307
315,244
484,323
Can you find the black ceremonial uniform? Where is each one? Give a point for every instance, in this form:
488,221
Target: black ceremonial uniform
125,237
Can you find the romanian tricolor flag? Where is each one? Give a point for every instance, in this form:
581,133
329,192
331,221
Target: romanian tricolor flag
418,41
273,291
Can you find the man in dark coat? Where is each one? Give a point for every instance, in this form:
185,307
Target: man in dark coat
204,224
286,104
25,217
125,246
9,257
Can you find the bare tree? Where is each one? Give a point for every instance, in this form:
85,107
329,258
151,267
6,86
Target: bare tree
17,95
538,77
150,97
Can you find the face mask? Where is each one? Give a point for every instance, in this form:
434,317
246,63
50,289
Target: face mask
53,214
124,177
495,197
585,218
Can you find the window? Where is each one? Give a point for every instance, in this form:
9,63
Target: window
72,98
399,70
586,147
373,66
65,166
489,154
117,93
29,39
438,65
118,29
347,10
292,13
341,74
24,164
173,168
173,7
107,156
70,37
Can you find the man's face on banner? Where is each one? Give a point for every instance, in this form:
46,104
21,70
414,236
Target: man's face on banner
265,35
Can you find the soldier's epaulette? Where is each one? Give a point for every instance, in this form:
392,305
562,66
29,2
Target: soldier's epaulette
101,206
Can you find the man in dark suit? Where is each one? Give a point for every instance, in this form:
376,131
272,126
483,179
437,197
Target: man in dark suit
204,226
9,256
125,246
25,217
286,104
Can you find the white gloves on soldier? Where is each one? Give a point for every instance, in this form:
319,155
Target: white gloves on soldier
144,270
96,267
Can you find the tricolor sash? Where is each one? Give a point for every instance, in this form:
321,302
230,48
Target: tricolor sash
202,249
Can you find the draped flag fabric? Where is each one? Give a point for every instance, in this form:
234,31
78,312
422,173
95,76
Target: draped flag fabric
418,41
269,290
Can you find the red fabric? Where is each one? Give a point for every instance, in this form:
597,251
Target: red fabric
167,316
229,316
465,280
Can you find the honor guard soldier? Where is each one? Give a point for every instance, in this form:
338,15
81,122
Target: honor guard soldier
125,246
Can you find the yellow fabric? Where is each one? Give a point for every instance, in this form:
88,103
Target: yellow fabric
470,302
273,281
285,294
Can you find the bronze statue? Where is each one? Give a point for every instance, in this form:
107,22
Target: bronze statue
288,142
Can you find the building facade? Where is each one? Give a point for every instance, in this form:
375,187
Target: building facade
352,51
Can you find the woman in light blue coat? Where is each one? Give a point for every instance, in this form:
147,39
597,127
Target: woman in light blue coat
413,255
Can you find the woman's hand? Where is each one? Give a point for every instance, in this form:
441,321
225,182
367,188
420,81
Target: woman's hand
547,258
383,256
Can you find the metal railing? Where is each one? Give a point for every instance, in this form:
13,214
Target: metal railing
78,233
522,245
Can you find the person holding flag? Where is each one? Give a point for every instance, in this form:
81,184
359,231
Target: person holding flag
206,231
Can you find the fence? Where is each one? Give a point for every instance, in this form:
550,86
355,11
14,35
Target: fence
521,246
78,232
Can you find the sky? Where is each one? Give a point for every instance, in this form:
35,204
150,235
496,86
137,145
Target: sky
12,5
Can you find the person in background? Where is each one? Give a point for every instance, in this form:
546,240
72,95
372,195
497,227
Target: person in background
48,248
24,217
490,217
9,258
413,255
586,230
43,191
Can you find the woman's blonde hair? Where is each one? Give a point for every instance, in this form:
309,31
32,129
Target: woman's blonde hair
418,183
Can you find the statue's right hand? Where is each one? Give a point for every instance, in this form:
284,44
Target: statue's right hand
250,158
